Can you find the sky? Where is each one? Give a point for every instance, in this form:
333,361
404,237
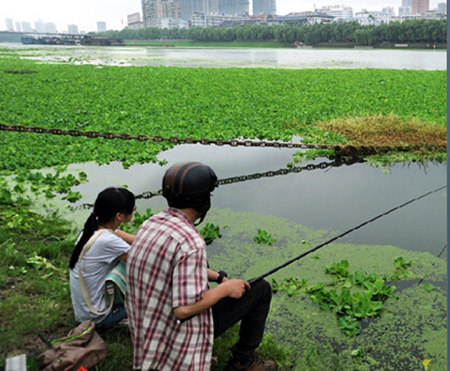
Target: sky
86,13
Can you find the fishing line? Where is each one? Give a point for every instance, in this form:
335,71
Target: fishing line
276,269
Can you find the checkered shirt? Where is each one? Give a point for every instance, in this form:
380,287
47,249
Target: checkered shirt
167,268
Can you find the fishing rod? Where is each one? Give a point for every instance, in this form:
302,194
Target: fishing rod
276,269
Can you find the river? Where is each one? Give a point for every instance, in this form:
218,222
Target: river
238,57
335,198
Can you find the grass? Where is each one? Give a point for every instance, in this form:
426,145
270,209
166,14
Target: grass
35,298
35,303
389,130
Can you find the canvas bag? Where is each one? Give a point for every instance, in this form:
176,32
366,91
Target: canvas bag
81,347
115,283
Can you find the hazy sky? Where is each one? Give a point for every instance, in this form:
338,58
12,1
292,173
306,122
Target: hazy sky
86,13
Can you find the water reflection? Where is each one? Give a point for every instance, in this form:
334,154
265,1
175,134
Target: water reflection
335,198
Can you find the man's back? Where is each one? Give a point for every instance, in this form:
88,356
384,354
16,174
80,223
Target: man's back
167,268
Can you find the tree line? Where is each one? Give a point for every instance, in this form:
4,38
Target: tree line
410,31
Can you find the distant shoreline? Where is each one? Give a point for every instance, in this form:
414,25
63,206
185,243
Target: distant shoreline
275,44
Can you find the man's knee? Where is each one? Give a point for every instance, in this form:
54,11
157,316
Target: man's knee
263,290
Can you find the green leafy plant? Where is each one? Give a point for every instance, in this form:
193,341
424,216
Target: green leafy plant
292,286
191,102
210,232
137,220
428,287
401,269
353,296
264,237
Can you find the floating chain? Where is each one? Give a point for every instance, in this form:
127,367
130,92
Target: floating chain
272,173
346,150
243,178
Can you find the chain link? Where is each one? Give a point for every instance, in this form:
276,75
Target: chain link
242,178
343,150
267,174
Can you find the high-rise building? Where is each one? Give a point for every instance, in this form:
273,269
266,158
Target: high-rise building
420,6
233,7
72,29
39,26
18,28
26,27
50,27
388,10
101,26
189,7
264,7
152,10
9,24
404,10
442,8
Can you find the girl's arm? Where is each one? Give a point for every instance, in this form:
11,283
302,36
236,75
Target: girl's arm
127,237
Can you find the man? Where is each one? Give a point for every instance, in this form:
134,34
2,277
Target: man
173,315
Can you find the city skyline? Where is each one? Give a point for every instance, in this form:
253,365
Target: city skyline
85,14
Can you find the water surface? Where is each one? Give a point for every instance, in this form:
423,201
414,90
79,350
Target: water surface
335,198
293,58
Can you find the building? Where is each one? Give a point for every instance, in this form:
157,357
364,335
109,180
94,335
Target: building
233,7
101,26
442,8
50,27
374,17
264,7
26,27
39,26
389,10
133,18
134,21
340,13
219,20
170,23
207,7
72,29
152,10
9,24
404,10
18,27
302,18
420,6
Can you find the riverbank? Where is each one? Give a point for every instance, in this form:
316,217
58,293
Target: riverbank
36,307
276,44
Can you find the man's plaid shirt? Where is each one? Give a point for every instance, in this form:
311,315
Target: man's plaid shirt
167,268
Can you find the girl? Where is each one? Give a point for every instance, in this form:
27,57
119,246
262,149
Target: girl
112,207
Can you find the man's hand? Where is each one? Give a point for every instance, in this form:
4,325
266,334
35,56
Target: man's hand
231,288
235,287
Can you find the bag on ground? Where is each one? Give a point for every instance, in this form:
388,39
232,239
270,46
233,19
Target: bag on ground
82,346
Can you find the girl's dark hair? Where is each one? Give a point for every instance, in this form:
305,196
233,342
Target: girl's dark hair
109,202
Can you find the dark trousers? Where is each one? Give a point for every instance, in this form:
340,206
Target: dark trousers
252,310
